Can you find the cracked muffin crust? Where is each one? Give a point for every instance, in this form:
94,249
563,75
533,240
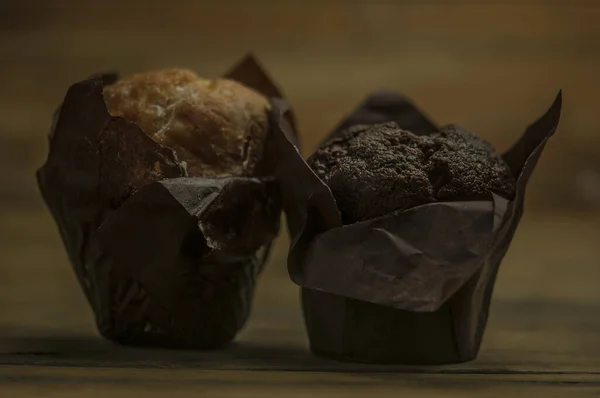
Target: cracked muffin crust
375,170
216,127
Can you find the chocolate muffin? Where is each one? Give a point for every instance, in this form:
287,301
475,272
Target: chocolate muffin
409,278
378,169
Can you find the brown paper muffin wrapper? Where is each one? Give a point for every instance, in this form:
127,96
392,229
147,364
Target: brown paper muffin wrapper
410,287
163,259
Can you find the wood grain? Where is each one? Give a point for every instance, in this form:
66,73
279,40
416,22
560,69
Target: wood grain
542,336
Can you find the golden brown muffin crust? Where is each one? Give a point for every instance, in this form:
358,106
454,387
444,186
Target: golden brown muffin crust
215,126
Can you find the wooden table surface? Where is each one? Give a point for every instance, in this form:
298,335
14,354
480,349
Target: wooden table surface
492,66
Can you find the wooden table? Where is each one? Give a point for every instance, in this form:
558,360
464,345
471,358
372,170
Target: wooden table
492,66
543,335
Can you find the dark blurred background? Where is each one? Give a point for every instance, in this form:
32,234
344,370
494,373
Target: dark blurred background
492,66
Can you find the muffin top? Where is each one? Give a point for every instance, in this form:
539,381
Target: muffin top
378,169
216,127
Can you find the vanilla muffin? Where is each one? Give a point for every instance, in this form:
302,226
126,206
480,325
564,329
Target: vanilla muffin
216,127
165,201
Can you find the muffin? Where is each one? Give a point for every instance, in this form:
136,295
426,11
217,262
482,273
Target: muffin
158,185
398,229
216,127
379,169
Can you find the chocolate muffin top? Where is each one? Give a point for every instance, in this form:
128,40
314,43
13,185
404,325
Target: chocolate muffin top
375,170
216,127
